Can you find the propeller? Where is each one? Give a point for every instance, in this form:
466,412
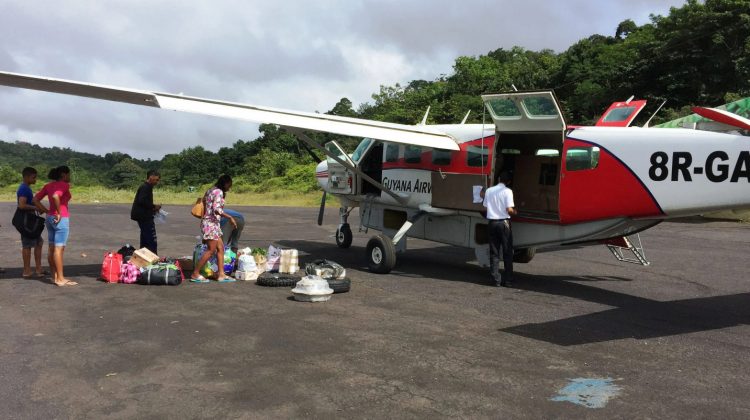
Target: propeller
322,208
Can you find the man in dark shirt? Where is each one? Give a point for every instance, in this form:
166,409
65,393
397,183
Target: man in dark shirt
143,210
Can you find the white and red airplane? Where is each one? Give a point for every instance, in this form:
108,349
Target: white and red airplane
572,185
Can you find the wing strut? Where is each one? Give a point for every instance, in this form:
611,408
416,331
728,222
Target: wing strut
312,143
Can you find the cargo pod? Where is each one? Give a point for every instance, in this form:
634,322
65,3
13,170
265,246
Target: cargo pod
529,134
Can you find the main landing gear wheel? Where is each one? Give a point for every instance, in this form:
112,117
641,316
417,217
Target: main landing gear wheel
344,236
381,254
523,255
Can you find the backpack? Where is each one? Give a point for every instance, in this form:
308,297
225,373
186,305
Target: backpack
111,267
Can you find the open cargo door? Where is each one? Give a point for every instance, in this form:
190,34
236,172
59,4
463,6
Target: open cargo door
529,133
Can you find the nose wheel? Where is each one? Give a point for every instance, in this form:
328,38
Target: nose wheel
381,254
344,236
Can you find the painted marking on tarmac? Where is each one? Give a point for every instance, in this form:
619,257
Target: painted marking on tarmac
588,392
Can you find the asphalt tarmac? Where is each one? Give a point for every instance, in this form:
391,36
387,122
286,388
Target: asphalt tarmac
581,335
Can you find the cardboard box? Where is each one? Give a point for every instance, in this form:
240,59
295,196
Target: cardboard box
143,258
246,275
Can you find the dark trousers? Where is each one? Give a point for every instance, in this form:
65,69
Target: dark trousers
501,243
148,235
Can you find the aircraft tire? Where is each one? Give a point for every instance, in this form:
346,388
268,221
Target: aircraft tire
381,254
523,255
344,236
340,285
278,279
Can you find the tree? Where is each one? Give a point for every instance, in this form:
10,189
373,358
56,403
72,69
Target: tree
8,175
126,174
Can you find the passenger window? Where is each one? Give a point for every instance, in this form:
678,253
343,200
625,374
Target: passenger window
476,156
547,152
413,154
581,158
441,157
391,152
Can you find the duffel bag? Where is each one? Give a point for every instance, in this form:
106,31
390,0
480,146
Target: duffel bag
28,223
160,274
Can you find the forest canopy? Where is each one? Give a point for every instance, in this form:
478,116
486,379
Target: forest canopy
699,54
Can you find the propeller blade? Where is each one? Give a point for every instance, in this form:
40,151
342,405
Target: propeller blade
322,209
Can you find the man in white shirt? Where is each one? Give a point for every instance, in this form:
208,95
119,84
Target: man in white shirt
500,206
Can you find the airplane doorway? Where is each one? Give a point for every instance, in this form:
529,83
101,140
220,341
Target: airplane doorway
372,165
533,160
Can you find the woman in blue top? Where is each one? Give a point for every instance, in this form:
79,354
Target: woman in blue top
25,198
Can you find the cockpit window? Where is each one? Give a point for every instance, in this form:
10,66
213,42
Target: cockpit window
619,114
363,145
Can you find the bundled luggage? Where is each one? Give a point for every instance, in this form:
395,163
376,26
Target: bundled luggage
129,273
161,274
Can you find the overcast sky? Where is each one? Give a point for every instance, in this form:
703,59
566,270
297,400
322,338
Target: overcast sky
302,55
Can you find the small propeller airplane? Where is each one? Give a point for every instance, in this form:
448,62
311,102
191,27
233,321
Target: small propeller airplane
573,185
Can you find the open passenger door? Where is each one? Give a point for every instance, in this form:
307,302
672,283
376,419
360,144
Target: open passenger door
529,134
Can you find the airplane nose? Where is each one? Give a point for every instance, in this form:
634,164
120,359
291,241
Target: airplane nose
321,174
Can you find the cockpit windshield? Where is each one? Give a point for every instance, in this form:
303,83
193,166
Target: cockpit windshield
361,148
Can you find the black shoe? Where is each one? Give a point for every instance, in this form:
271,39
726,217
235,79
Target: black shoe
506,283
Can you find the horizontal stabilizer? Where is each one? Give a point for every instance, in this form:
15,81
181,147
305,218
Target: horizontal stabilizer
724,117
396,133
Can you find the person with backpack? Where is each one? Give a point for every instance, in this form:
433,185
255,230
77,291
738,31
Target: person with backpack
57,192
25,201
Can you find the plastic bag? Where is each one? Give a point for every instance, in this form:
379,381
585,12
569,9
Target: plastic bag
161,217
273,259
246,263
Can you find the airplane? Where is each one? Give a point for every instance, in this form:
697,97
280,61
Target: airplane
573,185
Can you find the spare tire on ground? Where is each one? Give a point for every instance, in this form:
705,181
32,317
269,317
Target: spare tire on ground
340,285
278,279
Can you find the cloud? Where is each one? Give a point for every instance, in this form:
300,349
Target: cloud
292,54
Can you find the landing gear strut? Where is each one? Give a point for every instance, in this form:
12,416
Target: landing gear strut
344,232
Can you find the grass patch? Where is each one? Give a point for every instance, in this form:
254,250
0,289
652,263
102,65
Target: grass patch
89,195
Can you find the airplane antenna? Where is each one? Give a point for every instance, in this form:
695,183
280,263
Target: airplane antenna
630,99
466,117
424,119
484,111
514,87
654,114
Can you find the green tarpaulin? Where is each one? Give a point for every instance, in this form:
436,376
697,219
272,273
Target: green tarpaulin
741,108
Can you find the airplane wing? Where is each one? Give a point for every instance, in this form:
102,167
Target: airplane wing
396,133
722,116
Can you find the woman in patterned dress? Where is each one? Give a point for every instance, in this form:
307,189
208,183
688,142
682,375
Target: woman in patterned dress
213,202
